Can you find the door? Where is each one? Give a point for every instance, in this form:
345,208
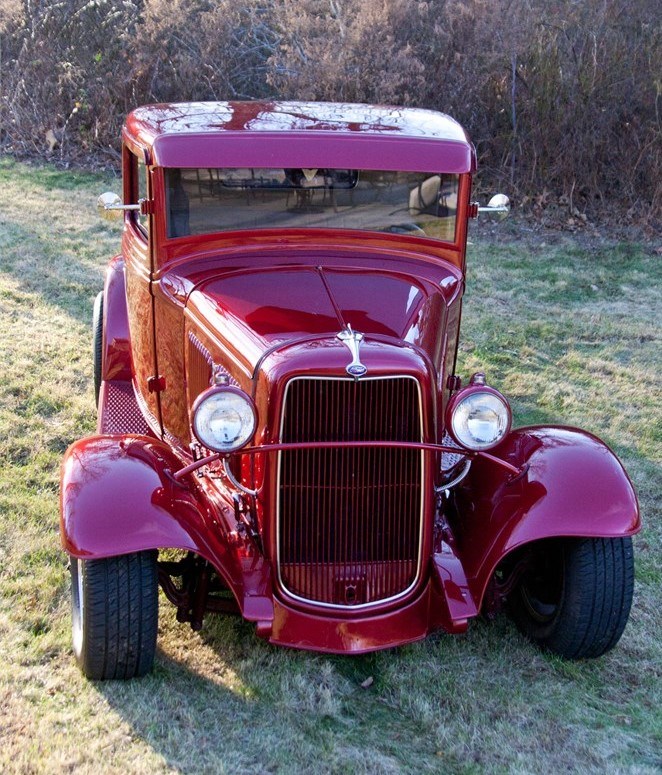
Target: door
140,302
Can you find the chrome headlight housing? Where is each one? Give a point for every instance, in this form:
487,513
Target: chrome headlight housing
224,418
478,417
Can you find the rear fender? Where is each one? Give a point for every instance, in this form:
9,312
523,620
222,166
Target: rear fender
573,485
116,362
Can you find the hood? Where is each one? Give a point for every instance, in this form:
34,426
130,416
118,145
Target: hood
262,309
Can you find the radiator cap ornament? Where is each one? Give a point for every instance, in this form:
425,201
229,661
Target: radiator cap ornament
352,340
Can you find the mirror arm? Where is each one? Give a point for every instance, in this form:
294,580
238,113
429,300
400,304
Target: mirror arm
499,205
109,206
122,207
497,209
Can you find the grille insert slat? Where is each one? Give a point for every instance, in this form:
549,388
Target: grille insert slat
350,518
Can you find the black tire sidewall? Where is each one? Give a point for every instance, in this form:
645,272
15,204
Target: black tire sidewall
119,614
582,625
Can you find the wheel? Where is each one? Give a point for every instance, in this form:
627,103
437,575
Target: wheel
574,598
97,343
114,612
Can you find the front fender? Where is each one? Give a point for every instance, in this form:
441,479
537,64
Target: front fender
117,496
574,485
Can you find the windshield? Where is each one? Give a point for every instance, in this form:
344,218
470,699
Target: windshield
202,201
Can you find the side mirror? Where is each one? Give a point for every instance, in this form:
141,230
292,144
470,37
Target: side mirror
107,206
498,205
110,207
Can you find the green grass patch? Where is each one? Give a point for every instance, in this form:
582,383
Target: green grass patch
570,332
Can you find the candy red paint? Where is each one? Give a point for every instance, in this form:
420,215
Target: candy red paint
262,308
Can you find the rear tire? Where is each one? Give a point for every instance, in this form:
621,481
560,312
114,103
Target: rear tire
114,605
97,343
574,599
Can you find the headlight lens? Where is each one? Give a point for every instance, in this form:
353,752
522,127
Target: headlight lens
224,419
479,419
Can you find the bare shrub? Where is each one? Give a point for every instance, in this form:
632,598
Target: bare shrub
349,52
562,99
78,67
587,108
193,49
67,60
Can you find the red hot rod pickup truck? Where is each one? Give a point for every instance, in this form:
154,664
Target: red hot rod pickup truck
274,359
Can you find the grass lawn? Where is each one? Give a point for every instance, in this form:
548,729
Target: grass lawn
569,330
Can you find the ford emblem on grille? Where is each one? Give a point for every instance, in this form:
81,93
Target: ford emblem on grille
352,340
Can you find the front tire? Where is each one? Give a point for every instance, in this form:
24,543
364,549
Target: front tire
114,604
574,598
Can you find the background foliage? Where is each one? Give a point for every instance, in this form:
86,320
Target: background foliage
562,98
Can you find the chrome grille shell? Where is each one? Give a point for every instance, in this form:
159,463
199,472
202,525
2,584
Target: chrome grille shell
312,569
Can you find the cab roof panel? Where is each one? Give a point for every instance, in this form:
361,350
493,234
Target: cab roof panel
298,134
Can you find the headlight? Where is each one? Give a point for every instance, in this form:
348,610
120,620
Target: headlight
224,419
478,417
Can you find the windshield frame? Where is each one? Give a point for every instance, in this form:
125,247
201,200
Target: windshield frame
172,252
394,182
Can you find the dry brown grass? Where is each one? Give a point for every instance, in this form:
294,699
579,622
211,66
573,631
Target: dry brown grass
224,701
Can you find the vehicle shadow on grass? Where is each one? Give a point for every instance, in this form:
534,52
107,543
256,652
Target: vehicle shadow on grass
225,701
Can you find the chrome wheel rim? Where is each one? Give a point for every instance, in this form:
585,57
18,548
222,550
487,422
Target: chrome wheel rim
77,607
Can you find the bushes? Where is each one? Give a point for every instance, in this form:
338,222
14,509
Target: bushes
76,68
559,97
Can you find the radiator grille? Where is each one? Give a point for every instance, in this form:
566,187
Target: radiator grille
350,519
